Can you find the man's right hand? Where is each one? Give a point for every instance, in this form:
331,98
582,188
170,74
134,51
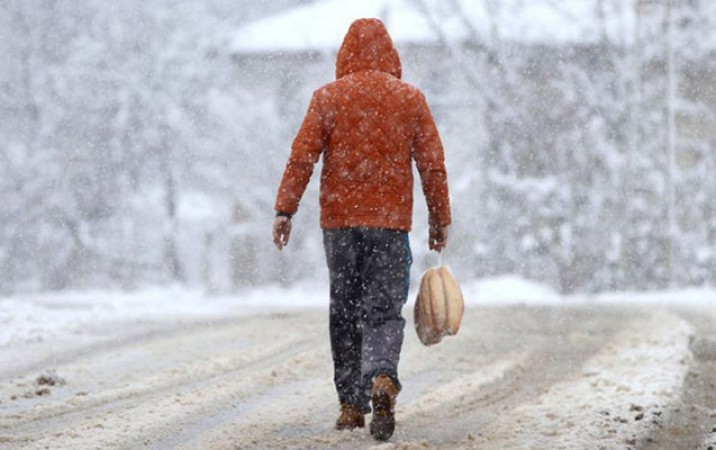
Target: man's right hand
437,238
281,231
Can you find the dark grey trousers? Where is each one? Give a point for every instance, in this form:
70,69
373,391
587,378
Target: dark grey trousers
369,271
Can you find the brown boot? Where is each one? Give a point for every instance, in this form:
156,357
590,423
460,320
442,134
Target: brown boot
351,417
383,397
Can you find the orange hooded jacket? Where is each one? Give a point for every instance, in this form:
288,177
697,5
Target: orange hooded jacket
369,125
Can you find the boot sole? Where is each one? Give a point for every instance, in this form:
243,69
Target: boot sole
382,425
348,427
351,426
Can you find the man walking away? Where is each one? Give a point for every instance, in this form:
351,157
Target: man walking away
369,126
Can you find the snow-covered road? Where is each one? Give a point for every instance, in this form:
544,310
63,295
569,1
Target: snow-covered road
523,377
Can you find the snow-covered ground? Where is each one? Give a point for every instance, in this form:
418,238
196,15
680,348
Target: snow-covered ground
35,317
174,368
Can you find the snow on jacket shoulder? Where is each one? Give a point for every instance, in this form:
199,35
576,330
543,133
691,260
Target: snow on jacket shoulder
369,126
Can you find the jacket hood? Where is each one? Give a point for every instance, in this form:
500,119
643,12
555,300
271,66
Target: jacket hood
367,46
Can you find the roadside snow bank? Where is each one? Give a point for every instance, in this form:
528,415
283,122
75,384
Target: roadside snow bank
618,399
690,297
508,289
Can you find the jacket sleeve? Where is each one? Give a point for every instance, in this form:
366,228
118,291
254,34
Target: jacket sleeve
430,161
305,151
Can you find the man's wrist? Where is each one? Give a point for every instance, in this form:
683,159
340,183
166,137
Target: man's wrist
284,214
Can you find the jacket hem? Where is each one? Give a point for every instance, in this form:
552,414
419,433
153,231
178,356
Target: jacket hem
400,223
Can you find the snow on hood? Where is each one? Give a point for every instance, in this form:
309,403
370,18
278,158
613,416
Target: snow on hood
367,46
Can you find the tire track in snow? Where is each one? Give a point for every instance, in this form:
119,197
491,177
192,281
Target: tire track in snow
178,387
108,338
454,394
556,342
311,411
